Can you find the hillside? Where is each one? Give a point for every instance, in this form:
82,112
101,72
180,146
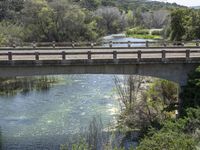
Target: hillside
145,5
196,7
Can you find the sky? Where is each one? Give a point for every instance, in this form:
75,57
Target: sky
184,2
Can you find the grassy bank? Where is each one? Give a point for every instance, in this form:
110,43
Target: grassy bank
144,33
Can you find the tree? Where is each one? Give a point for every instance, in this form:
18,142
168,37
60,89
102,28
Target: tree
10,8
37,19
177,24
110,20
191,92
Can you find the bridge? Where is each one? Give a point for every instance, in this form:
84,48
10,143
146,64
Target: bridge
161,60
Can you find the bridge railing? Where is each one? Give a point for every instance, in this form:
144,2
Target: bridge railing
139,55
108,44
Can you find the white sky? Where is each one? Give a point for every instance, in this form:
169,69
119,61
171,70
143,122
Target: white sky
184,2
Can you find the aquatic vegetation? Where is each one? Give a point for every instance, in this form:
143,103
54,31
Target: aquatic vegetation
12,86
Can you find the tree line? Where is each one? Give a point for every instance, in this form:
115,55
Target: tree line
76,20
88,20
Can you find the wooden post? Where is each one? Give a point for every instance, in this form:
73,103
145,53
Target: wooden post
187,54
129,44
147,43
197,43
114,55
163,55
9,56
110,44
54,44
63,55
139,55
34,44
14,45
73,44
164,44
89,55
92,44
36,55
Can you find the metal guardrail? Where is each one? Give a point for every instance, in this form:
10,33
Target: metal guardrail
113,54
108,43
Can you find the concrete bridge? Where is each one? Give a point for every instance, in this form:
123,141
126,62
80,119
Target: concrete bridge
171,63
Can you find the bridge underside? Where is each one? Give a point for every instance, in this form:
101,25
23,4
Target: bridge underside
175,70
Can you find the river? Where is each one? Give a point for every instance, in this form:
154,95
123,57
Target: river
41,120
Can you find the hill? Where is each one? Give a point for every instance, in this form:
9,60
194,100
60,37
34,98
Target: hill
145,5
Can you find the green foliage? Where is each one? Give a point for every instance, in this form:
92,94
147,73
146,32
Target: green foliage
167,140
82,145
191,92
157,32
175,134
11,86
177,25
185,24
11,33
137,30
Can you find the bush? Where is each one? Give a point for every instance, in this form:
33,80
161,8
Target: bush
157,32
167,140
191,92
10,33
175,134
137,31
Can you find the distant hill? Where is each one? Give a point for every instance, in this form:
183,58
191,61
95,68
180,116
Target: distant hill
196,7
145,5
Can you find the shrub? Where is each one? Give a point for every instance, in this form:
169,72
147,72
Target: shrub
167,140
191,92
137,31
156,32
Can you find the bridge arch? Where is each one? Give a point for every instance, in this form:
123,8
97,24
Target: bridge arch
176,72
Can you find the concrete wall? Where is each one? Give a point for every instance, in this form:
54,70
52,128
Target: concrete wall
176,71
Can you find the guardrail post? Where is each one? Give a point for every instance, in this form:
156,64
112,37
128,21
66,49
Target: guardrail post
187,54
9,56
54,44
34,44
73,44
114,55
63,55
147,43
129,44
163,55
89,55
197,43
139,55
36,55
14,45
92,44
164,44
110,44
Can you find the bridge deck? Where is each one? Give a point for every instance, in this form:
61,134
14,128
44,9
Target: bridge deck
162,54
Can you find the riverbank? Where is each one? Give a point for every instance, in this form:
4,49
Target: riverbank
154,34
